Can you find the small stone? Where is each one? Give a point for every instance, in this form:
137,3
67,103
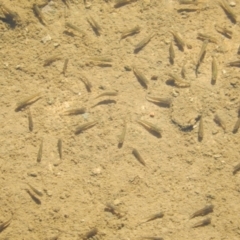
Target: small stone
96,171
232,4
154,77
46,39
152,114
127,68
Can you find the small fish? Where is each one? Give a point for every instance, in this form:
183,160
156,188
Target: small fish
30,121
151,127
85,126
166,102
144,42
154,217
138,156
200,129
39,14
39,156
202,212
214,70
73,27
207,37
75,111
171,53
183,71
96,27
224,30
201,54
234,64
27,101
87,83
120,3
122,136
130,32
5,224
202,223
225,6
140,76
220,122
188,1
65,66
178,82
236,126
152,238
59,145
50,60
37,191
91,233
114,93
101,59
180,42
34,198
236,168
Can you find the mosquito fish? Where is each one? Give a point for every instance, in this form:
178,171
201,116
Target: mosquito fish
154,217
180,42
214,70
152,238
236,168
86,82
178,82
225,6
202,223
75,111
65,66
27,101
188,1
59,146
201,54
91,233
37,191
143,80
171,53
39,156
161,101
114,93
151,127
100,59
120,3
39,14
73,27
96,27
234,64
130,32
144,42
220,122
138,156
122,136
204,37
85,126
183,71
236,126
5,224
224,30
34,198
202,212
200,129
30,121
50,60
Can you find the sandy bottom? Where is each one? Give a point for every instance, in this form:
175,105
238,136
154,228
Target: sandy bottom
99,185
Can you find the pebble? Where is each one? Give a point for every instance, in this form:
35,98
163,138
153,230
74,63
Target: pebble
232,4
